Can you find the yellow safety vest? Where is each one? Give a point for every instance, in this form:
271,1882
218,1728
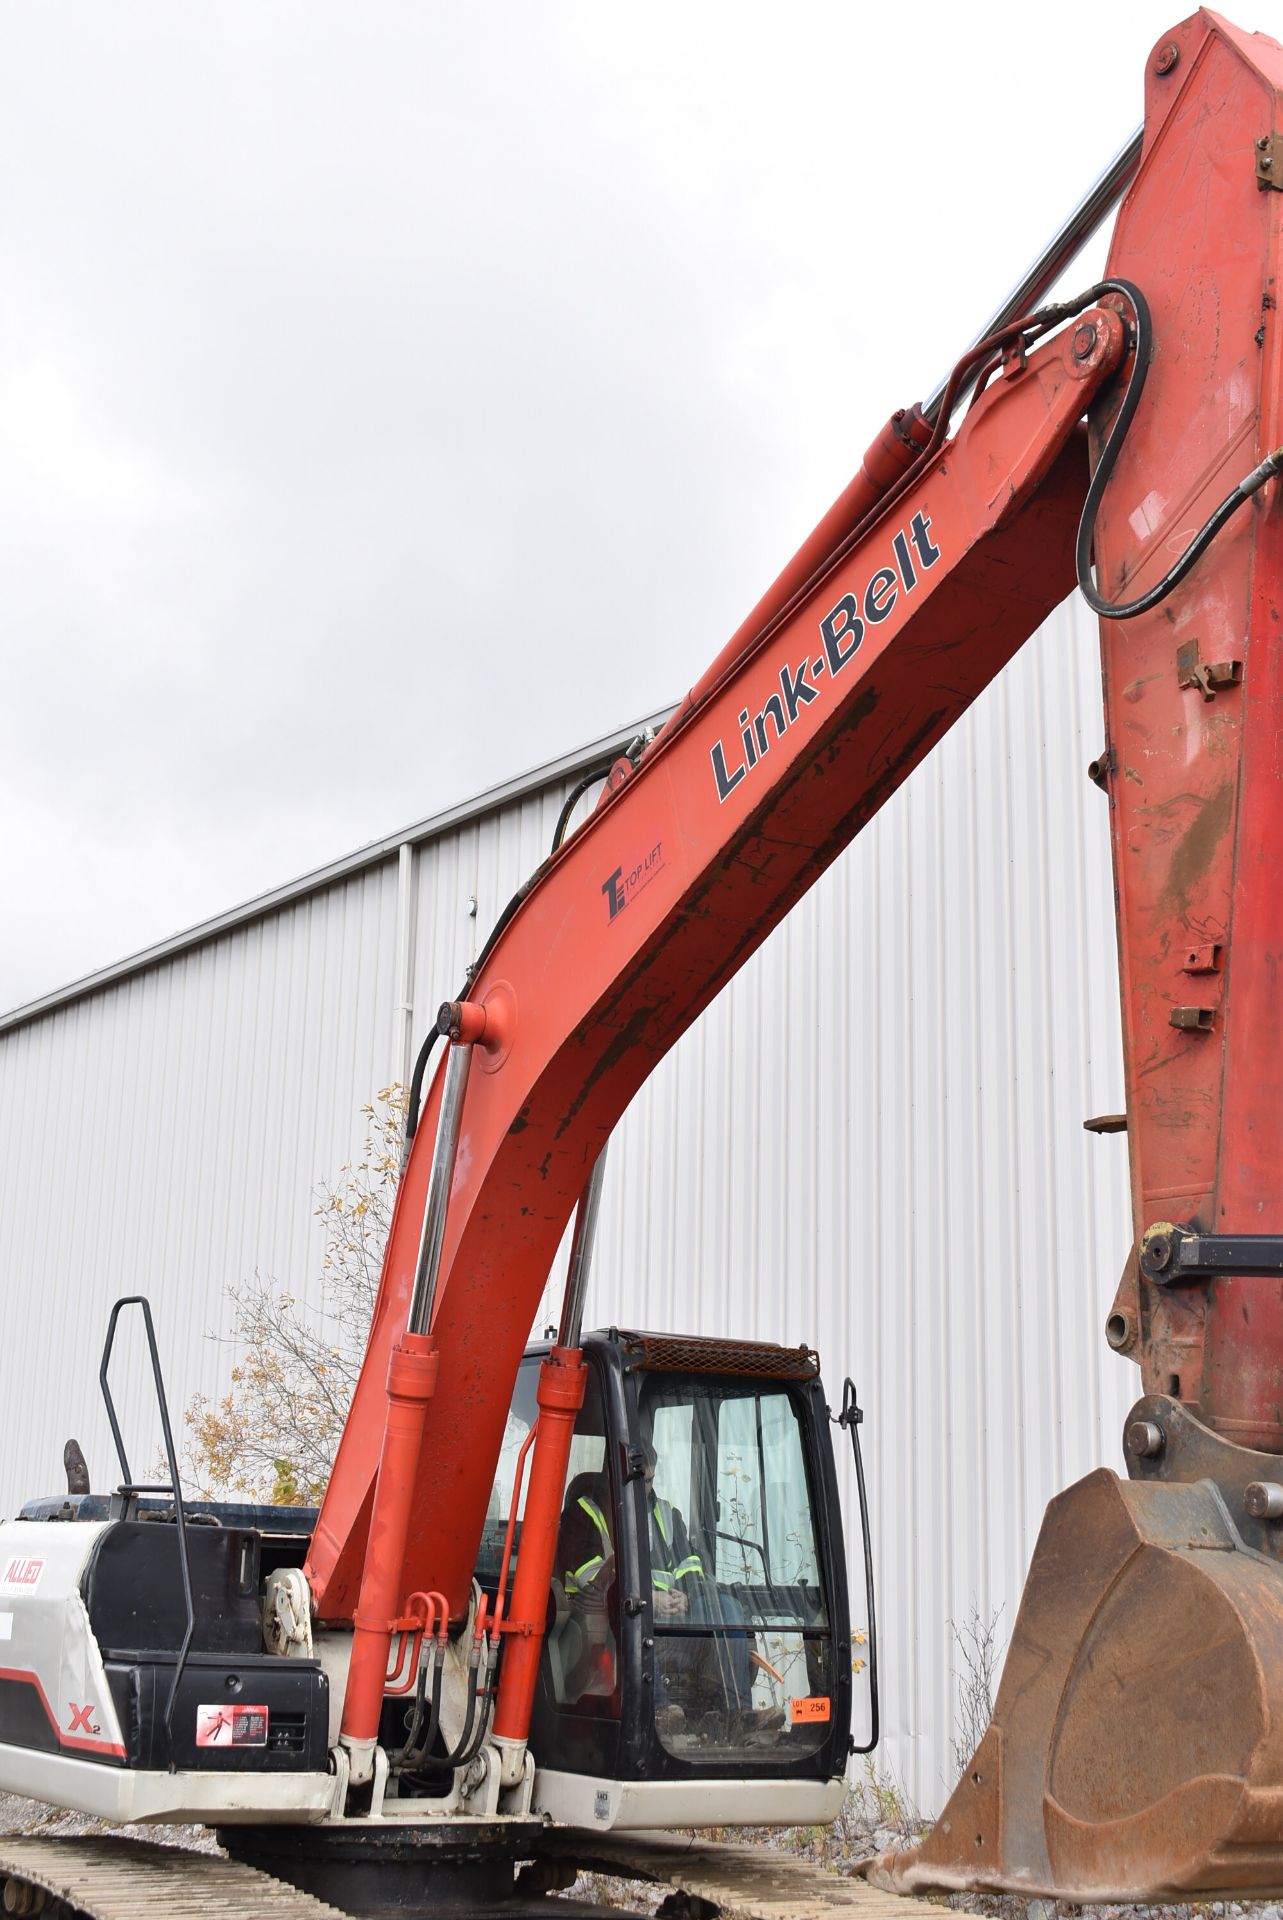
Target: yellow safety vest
584,1576
668,1577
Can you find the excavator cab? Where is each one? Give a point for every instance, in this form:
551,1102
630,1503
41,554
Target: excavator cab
698,1627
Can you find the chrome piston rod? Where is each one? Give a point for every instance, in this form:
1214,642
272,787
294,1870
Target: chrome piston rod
581,1253
445,1147
1098,202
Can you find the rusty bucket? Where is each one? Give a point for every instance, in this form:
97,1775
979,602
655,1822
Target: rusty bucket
1136,1746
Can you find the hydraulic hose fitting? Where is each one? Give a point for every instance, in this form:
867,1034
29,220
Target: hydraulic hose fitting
461,1021
487,1023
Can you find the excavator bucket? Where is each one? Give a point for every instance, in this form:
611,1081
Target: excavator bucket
1136,1746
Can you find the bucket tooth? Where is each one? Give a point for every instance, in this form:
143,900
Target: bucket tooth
1136,1745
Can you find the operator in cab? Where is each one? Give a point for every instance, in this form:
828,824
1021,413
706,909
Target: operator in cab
697,1674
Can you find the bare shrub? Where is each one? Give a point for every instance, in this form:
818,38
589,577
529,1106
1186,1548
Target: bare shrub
979,1656
273,1435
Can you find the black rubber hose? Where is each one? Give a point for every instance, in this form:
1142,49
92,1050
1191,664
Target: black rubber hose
434,1717
576,794
1271,465
981,358
415,1100
1242,493
407,1752
416,1751
470,1749
461,1754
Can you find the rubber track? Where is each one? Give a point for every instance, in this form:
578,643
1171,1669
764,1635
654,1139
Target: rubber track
104,1878
743,1882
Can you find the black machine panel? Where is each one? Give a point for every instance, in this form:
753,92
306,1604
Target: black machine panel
237,1706
133,1589
262,1715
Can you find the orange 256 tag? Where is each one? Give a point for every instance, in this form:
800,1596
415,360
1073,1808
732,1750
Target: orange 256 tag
814,1707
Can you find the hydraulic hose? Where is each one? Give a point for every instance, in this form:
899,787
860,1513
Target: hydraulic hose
414,1103
418,1749
469,1749
463,1752
1229,506
416,1085
470,1713
416,1717
576,794
974,367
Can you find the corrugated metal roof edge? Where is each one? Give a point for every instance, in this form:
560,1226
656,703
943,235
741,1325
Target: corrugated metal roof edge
370,855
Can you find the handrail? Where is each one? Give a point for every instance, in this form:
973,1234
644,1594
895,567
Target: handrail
129,1487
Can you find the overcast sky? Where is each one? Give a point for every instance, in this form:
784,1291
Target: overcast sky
395,396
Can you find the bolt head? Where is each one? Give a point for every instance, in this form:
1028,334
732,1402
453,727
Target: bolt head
1084,340
1264,1500
1145,1438
1166,57
1158,1250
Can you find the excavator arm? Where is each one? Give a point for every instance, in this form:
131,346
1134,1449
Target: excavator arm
953,546
1134,1748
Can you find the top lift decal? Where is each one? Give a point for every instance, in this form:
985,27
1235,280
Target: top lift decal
842,631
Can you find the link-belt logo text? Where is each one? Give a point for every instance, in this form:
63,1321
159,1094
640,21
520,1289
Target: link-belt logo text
841,632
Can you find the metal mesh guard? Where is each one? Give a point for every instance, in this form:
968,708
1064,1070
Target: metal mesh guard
685,1353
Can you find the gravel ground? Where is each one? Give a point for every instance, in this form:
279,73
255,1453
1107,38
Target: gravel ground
857,1832
33,1816
1008,1907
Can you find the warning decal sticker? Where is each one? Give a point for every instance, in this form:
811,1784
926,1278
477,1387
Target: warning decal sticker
227,1726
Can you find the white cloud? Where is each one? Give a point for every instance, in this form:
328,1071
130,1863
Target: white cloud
345,349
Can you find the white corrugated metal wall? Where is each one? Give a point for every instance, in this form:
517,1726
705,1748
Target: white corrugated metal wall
873,1140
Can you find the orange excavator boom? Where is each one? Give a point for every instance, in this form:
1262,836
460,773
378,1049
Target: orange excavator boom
1133,1748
